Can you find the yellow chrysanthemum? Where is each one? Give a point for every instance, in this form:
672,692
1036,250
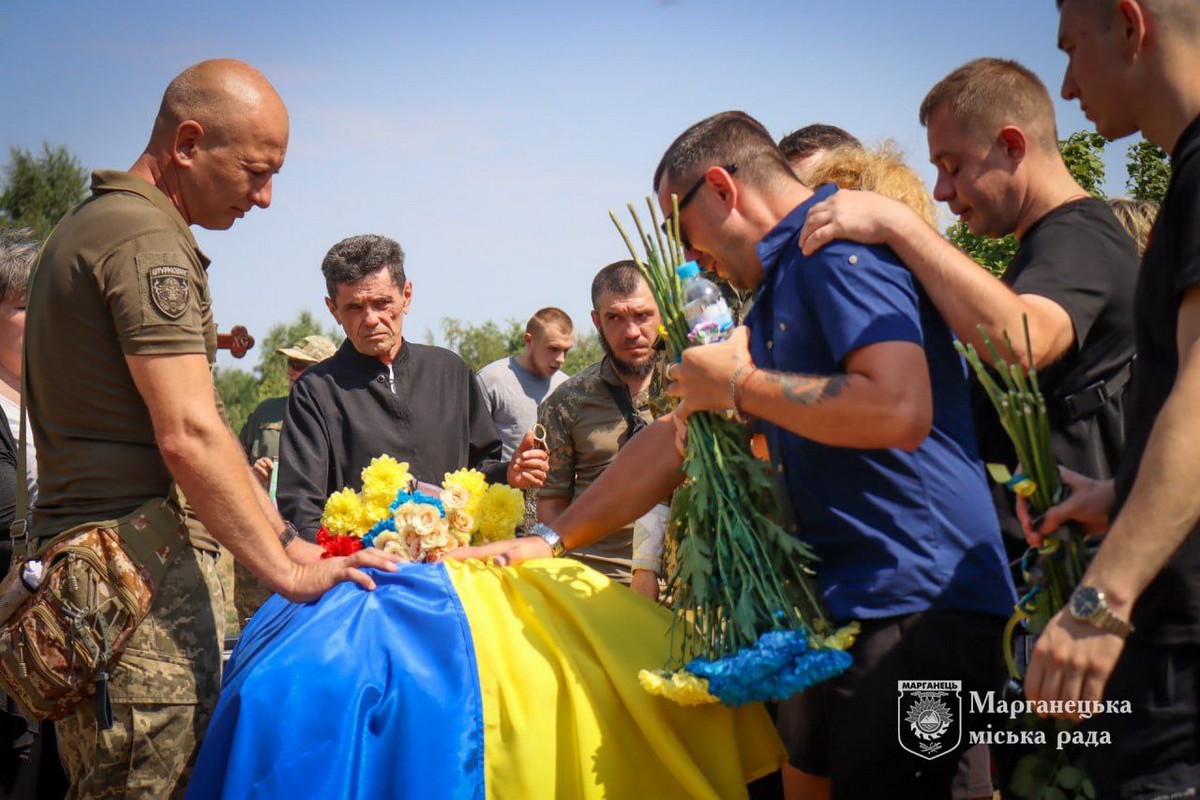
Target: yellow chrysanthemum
843,638
344,514
501,510
681,687
473,481
381,479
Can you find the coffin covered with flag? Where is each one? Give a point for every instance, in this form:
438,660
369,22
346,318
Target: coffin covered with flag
469,680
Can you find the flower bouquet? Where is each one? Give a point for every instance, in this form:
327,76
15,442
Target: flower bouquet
748,624
418,522
1051,571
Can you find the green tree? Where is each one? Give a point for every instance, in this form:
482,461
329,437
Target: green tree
39,189
272,367
1083,152
1149,171
480,345
242,391
239,392
587,351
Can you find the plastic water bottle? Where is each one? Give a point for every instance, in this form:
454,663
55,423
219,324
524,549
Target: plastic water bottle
705,309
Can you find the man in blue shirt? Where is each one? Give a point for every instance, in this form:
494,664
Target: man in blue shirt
853,378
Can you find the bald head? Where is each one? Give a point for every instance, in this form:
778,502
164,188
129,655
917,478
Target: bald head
217,94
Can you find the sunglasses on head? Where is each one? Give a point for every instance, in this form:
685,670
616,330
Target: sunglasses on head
687,198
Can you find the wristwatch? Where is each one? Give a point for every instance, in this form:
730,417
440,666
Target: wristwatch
1087,605
289,533
550,537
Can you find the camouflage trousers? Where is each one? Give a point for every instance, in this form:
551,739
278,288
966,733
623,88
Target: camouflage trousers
163,690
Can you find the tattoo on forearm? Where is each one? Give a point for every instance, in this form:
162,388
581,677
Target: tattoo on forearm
807,390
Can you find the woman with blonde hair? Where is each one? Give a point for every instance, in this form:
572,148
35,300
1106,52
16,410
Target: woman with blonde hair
881,170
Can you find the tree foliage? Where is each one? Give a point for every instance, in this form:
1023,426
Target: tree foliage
242,391
1149,171
481,344
39,189
1083,153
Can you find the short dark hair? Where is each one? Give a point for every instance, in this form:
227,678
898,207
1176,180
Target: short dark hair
18,251
731,137
986,94
547,317
803,142
354,258
621,278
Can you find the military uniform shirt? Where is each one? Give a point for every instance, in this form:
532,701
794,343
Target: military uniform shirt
584,430
121,275
260,435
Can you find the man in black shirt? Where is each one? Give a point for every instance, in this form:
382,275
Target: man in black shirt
992,138
1132,66
382,395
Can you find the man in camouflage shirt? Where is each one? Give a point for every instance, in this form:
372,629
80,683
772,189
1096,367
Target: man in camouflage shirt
594,413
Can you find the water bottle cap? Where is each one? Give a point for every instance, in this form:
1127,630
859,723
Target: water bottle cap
689,270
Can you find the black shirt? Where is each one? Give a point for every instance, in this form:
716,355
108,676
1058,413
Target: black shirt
1169,610
343,412
1079,256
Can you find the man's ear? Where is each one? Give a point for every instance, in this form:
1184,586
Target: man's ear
187,137
723,185
1014,143
596,321
406,295
528,339
333,310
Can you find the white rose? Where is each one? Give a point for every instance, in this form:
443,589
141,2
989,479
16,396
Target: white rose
425,519
455,497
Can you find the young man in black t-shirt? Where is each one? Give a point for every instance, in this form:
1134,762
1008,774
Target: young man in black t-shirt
1132,66
993,139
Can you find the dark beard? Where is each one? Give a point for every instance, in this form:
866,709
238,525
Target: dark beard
627,368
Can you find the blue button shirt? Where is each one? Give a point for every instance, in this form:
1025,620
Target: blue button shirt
896,532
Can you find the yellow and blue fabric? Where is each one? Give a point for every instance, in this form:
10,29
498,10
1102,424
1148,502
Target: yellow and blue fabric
469,680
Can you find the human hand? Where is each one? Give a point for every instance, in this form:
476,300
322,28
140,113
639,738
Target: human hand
262,469
1072,661
529,464
701,379
863,217
645,583
680,434
1088,503
303,551
308,582
506,553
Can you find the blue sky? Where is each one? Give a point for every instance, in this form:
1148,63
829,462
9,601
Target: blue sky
489,139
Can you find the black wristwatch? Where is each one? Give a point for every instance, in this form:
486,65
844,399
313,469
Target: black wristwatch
550,537
289,533
1088,605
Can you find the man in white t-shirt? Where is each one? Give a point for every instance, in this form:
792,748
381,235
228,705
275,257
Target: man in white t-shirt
514,386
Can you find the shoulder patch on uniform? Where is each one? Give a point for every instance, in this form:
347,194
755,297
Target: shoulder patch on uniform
170,289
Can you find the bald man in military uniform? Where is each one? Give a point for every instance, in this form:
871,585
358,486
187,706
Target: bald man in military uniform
120,340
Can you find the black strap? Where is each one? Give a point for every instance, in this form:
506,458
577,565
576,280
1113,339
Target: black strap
634,423
1090,399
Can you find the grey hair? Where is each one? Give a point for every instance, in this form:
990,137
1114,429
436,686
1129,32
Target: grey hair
18,250
352,259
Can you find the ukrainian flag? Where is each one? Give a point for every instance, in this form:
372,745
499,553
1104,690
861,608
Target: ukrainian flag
469,680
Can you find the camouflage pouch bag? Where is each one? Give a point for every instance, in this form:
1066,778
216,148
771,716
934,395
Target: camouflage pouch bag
97,585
